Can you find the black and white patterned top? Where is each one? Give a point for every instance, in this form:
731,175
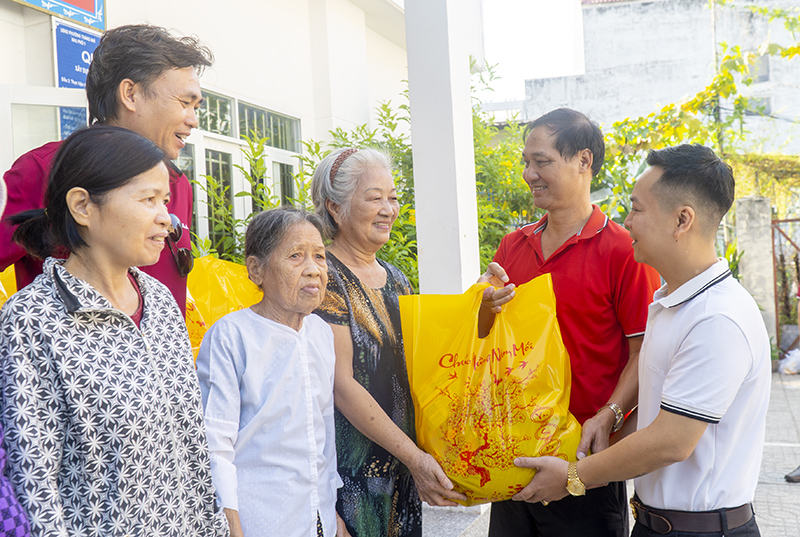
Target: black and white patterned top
104,424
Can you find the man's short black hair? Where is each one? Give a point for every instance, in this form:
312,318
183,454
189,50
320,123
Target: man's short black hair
693,174
573,133
141,52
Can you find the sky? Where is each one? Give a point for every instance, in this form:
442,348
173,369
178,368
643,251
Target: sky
531,39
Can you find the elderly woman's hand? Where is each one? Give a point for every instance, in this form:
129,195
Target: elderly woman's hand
341,528
433,486
234,523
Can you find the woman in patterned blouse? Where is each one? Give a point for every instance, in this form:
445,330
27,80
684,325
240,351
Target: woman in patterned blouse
385,474
13,522
100,402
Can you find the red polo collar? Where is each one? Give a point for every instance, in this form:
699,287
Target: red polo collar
596,223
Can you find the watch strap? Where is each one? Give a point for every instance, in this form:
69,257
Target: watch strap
575,486
619,417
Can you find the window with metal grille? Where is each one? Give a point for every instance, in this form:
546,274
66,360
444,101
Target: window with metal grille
281,131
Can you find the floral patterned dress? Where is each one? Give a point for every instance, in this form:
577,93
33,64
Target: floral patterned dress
378,497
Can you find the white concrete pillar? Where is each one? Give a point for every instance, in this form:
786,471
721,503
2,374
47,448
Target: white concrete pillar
437,40
754,239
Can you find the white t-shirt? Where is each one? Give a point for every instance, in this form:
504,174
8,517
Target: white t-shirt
268,400
706,356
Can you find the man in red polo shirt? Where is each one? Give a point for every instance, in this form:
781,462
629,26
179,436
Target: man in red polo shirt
602,295
144,79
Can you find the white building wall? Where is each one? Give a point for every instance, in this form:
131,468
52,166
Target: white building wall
384,57
25,46
261,49
778,133
303,58
641,55
326,62
339,45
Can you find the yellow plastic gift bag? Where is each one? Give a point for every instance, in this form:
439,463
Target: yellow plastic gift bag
8,284
195,324
480,403
215,288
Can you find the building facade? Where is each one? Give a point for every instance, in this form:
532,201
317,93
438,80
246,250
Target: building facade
290,70
641,55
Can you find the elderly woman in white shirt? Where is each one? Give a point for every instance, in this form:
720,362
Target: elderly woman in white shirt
266,376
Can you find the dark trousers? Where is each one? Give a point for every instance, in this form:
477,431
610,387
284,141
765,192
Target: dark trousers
747,530
603,512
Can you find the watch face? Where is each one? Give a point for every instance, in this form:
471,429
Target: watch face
576,488
574,484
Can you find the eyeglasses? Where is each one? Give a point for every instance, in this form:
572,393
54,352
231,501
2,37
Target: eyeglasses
183,256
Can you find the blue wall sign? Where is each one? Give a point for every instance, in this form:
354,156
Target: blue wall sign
87,12
71,118
74,49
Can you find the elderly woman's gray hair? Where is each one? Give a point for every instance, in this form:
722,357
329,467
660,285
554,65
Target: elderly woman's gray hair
266,230
336,178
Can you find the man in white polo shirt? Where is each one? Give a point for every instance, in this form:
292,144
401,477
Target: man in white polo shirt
704,368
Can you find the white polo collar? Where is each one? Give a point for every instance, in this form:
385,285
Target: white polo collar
697,285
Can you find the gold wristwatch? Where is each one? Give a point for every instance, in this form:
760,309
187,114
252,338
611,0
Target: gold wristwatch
574,484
